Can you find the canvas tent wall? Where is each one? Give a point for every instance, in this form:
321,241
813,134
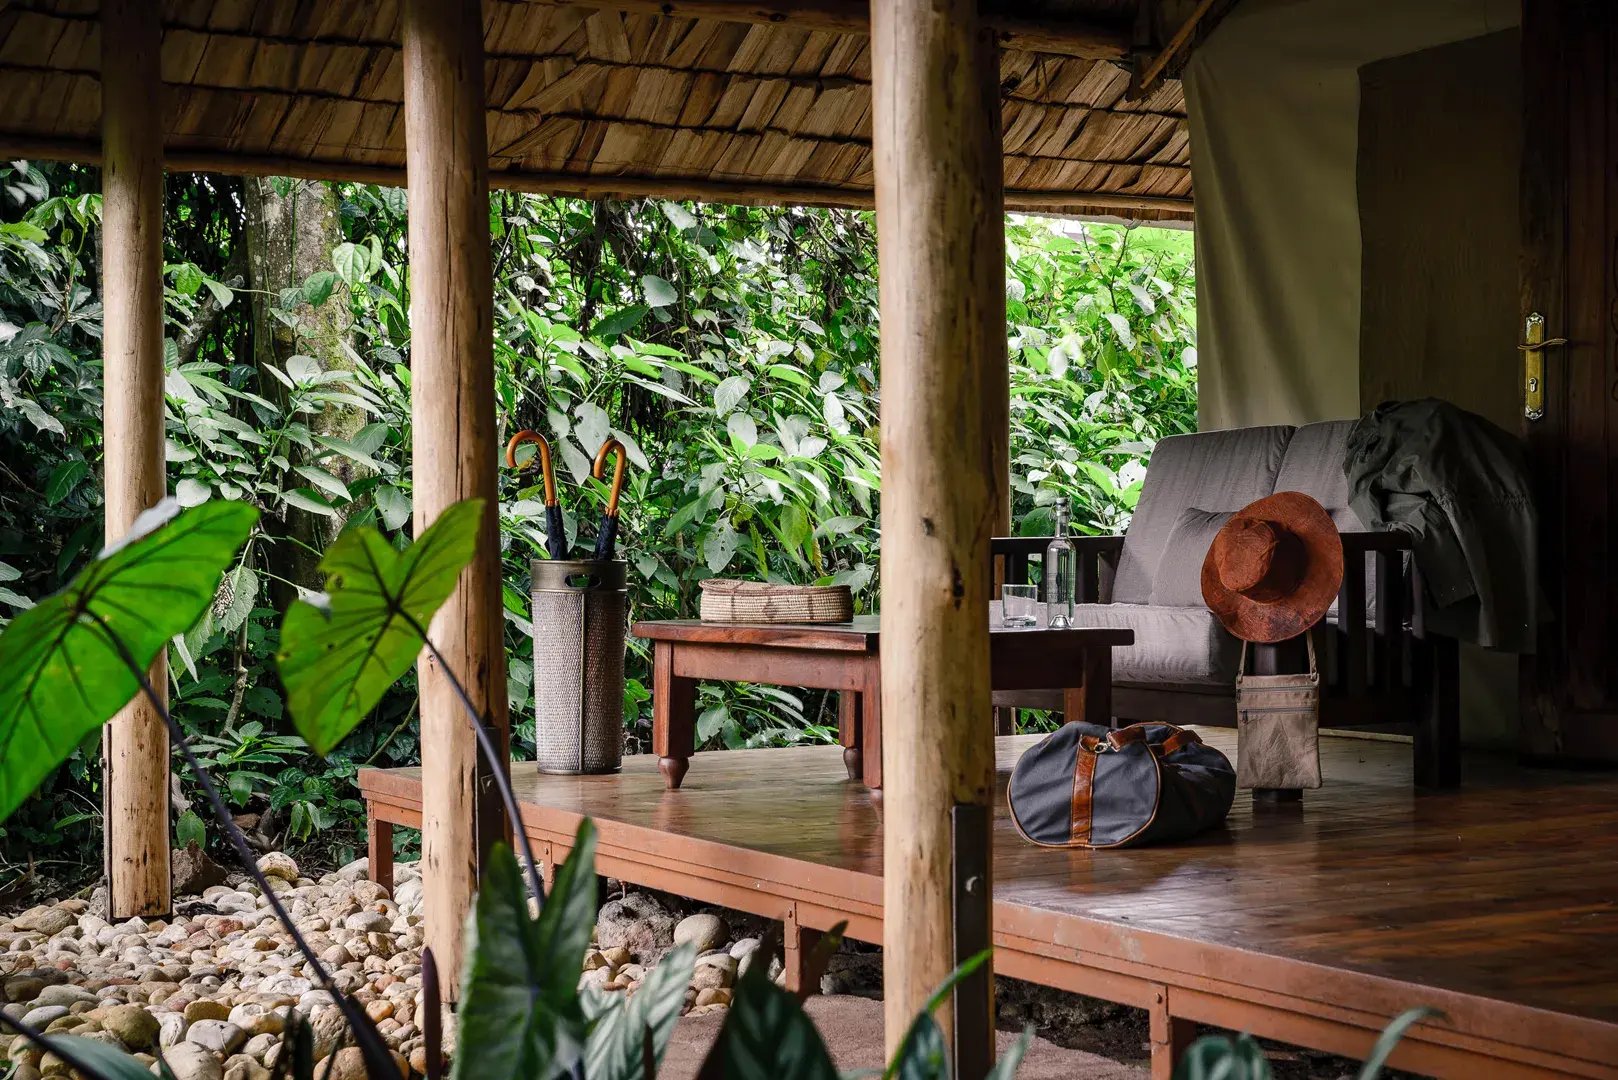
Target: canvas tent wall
1274,98
1356,174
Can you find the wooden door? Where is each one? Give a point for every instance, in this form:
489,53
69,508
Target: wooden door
1570,277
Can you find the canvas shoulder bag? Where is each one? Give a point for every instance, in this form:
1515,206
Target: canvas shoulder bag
1087,786
1278,727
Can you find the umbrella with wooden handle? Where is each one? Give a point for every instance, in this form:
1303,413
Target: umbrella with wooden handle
607,538
555,531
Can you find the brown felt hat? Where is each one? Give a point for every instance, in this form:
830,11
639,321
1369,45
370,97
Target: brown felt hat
1274,568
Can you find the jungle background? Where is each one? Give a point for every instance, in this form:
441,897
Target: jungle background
732,350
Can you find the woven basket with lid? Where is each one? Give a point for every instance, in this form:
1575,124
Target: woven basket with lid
729,600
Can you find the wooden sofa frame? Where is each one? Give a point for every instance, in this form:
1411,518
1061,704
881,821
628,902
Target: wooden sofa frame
1382,674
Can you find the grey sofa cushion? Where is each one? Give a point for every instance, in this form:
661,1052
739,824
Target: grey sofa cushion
1221,470
1179,573
1313,464
1184,645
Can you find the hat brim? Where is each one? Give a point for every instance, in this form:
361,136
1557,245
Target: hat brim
1304,606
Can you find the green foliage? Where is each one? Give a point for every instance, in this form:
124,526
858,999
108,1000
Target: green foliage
1102,337
65,664
1220,1057
767,1034
521,1011
189,830
629,1035
1385,1043
924,1055
342,651
106,1062
732,350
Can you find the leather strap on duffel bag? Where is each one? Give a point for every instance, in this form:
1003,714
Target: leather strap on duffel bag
1087,786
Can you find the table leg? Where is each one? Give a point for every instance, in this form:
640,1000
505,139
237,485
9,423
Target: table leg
871,722
379,834
674,716
1091,701
850,719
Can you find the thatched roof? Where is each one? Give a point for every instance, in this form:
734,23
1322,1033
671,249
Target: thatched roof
590,99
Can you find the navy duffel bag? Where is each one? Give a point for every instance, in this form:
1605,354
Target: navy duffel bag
1087,786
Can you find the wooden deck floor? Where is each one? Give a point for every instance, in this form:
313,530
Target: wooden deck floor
1313,924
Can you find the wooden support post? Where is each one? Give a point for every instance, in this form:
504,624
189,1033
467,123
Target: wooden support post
1171,1036
798,960
941,249
135,745
379,850
456,452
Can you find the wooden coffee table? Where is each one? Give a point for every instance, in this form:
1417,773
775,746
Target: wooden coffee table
844,657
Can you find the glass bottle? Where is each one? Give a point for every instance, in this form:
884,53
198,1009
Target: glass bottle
1060,573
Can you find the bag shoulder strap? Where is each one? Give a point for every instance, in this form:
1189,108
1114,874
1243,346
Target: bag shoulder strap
1309,639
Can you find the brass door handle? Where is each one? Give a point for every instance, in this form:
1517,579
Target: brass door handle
1534,343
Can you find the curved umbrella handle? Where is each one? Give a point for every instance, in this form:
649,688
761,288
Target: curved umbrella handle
611,446
525,435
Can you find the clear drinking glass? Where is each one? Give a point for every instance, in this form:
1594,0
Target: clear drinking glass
1019,605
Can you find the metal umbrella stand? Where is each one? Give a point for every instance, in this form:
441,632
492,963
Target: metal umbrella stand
580,610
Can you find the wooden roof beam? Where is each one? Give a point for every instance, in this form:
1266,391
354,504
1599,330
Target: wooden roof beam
1062,37
584,185
1154,68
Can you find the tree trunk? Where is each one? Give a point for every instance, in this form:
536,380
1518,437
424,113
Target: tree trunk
289,238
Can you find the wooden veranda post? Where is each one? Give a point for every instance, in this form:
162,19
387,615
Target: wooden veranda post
941,250
456,453
135,745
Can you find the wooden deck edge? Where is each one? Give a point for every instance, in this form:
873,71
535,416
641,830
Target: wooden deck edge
1299,1002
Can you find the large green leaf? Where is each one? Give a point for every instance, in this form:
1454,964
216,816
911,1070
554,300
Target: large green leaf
108,1062
629,1029
61,673
767,1033
923,1054
521,1015
340,651
1011,1060
1389,1039
1218,1057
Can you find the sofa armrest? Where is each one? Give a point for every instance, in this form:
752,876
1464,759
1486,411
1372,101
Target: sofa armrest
1372,654
1098,559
